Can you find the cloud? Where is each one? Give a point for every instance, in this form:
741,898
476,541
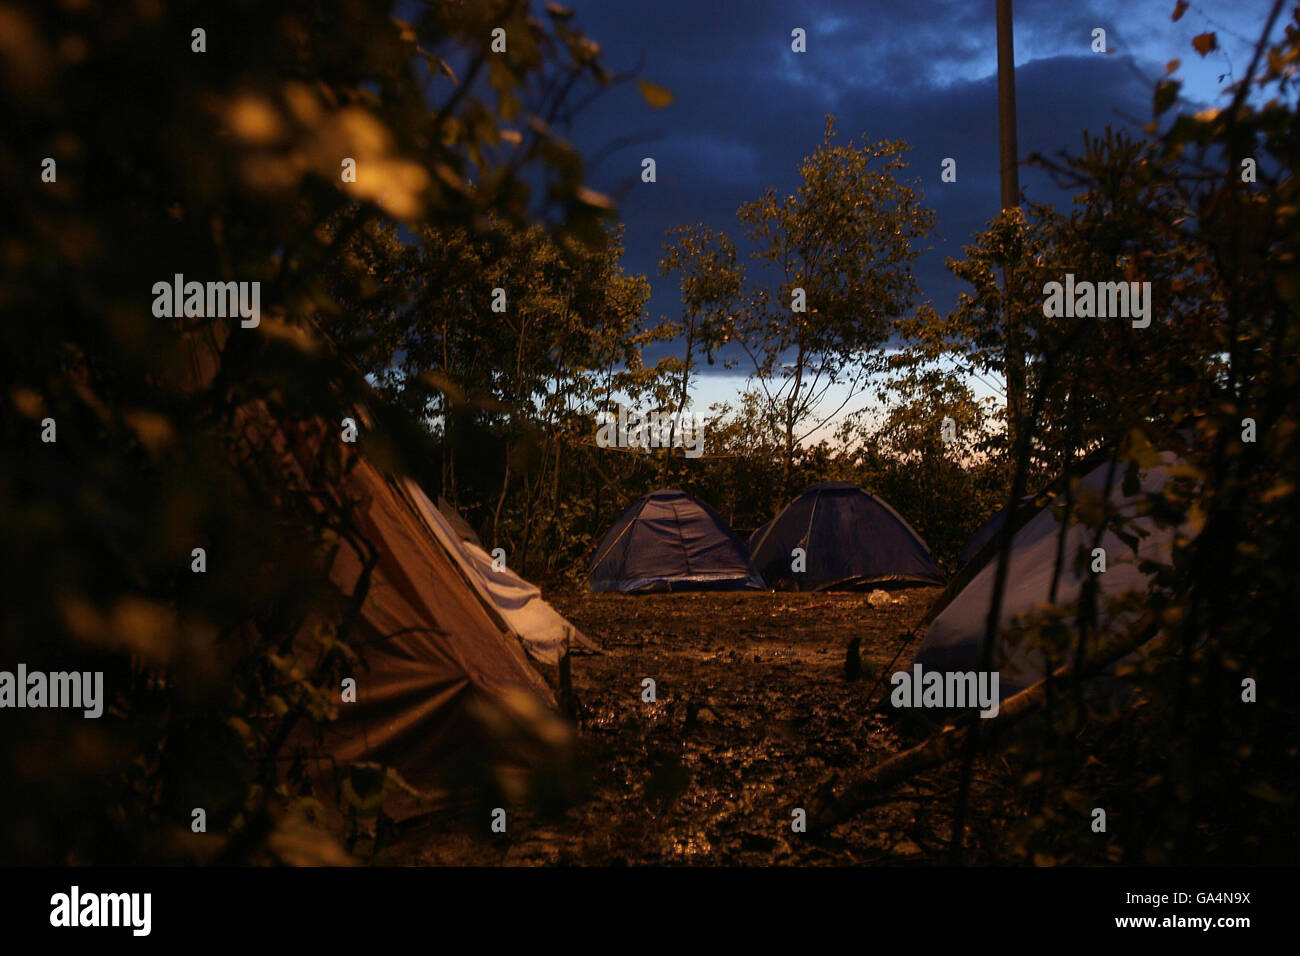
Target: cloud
746,109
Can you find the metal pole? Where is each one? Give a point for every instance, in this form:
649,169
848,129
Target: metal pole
1007,107
1013,355
1013,360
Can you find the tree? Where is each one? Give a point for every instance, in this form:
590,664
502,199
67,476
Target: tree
1078,371
710,284
838,252
927,453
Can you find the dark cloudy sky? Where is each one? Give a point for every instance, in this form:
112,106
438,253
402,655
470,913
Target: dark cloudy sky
746,108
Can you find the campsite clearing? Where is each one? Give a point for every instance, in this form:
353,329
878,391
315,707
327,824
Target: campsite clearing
752,713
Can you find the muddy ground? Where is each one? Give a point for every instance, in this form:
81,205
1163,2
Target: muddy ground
753,714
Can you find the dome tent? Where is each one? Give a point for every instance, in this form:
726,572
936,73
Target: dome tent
958,621
670,541
851,539
989,529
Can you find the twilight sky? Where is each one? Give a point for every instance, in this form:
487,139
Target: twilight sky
746,108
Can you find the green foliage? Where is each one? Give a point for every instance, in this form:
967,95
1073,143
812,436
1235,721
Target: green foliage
509,396
223,165
1196,773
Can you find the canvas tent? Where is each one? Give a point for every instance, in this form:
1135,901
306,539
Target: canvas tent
433,647
851,539
670,541
438,650
956,632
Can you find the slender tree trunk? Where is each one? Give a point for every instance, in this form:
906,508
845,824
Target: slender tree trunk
791,402
448,457
501,500
681,399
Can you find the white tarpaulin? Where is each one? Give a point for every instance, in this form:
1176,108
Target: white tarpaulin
542,630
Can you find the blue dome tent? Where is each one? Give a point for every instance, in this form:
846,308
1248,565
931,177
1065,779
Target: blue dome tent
851,540
986,532
669,541
1135,546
